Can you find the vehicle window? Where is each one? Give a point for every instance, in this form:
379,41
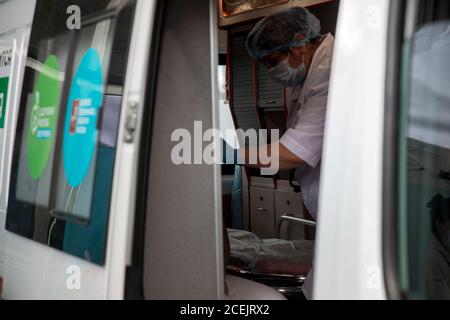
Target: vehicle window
66,135
425,161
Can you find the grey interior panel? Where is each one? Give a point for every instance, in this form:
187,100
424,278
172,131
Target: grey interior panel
181,255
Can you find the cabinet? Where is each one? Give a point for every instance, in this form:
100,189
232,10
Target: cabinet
270,94
268,205
232,12
253,92
242,81
262,212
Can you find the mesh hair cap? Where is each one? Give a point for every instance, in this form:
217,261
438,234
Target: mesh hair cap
277,33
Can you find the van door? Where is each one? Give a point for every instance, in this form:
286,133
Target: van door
416,198
72,185
348,257
15,25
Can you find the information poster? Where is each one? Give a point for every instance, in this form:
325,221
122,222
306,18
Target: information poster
7,51
6,59
80,129
44,117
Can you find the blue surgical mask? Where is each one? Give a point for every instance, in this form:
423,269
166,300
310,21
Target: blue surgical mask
287,76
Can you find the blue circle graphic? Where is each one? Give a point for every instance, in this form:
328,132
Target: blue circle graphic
80,127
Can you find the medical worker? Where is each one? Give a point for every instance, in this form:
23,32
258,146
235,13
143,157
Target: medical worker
289,44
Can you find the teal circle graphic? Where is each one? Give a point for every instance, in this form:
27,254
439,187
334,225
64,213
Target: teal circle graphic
80,127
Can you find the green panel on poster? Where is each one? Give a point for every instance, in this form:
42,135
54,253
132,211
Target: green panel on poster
4,84
44,115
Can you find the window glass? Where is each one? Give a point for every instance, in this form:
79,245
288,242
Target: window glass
77,156
227,127
425,196
66,136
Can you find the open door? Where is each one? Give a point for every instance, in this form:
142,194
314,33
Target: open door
15,24
73,179
182,253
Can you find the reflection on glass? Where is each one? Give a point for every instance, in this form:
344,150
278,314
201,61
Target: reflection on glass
438,269
66,137
428,167
74,172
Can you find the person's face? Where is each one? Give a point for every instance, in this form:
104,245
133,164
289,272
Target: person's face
295,57
273,59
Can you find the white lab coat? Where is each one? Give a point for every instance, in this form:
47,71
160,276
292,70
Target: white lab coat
307,107
306,125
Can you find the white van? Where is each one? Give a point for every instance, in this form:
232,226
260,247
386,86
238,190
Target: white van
92,205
